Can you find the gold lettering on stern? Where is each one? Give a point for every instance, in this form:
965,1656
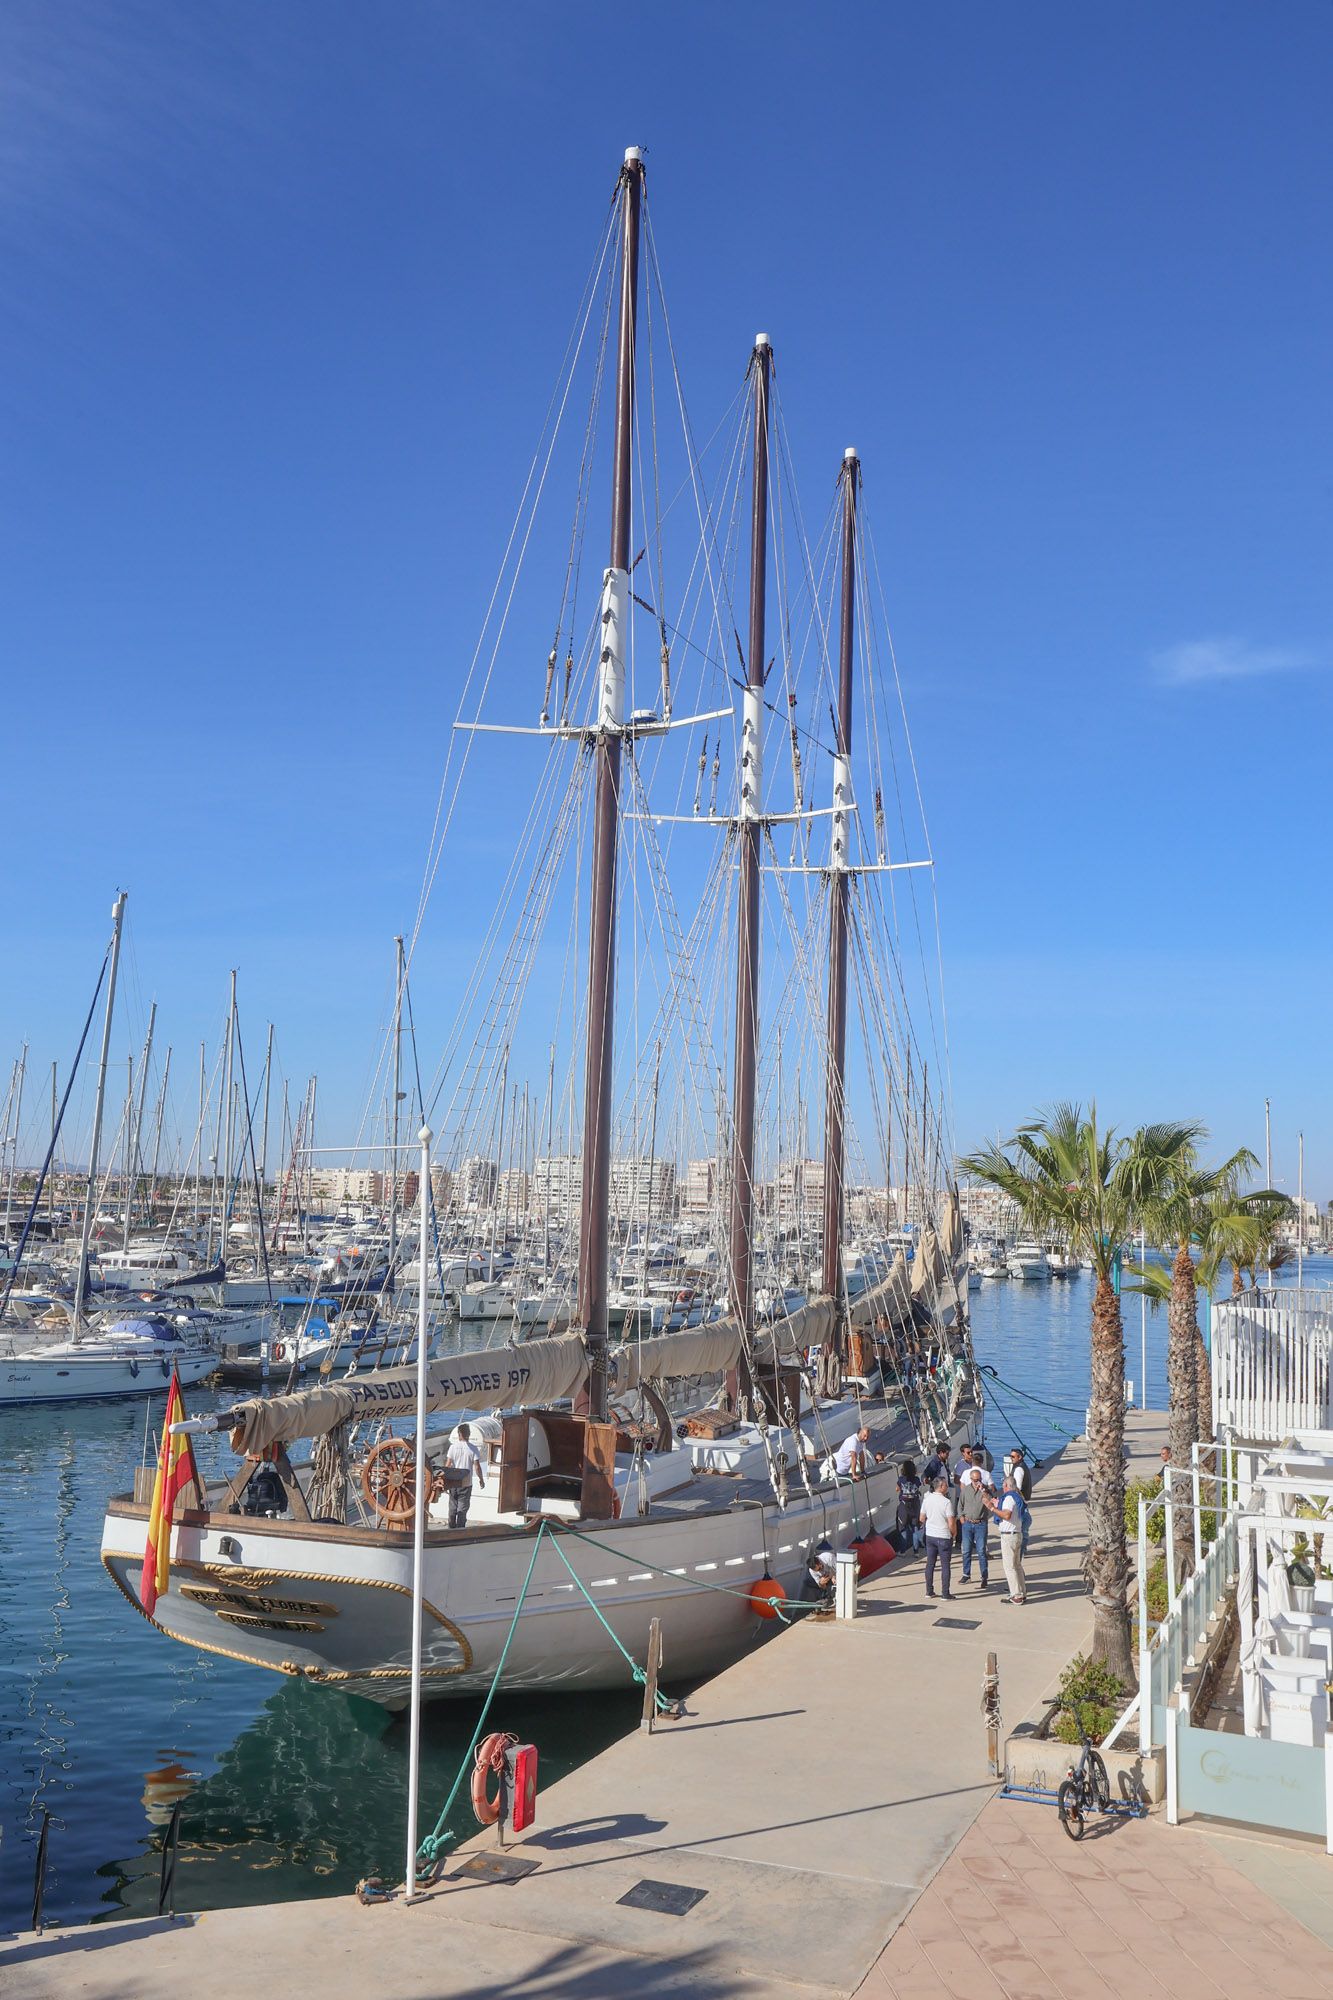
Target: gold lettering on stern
237,1600
249,1624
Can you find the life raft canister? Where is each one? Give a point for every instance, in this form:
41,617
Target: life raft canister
521,1779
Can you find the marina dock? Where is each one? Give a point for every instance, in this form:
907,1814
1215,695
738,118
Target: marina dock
825,1816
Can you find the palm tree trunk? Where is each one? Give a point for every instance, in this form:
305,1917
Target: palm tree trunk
1182,1341
1107,1562
1237,1280
1203,1383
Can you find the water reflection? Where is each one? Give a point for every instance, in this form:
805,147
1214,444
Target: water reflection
290,1790
313,1794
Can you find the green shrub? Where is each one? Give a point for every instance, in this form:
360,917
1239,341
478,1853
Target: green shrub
1097,1694
1148,1490
1159,1602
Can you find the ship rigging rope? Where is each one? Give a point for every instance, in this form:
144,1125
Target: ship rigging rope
51,1149
873,558
1034,1456
1066,1409
435,1840
519,534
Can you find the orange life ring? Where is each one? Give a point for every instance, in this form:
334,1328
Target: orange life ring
280,1352
489,1761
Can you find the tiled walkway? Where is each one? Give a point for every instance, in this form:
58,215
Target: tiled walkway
1019,1912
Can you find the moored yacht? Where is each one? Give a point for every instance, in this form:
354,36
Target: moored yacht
1027,1262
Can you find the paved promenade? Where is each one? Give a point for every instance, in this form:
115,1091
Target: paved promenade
823,1794
1139,1908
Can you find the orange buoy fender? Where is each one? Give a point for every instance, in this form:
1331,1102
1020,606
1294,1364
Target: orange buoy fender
765,1596
489,1763
873,1552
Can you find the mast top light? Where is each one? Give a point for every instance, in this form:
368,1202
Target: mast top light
633,156
762,340
849,454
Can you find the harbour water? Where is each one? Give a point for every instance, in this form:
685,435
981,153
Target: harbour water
289,1790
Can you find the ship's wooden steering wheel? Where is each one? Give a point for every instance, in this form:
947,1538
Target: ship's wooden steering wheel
389,1481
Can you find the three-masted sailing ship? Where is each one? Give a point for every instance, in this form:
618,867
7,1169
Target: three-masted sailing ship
654,1509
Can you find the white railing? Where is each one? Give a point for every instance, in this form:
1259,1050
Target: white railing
1167,1649
1272,1359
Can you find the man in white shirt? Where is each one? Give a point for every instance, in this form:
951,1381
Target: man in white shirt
851,1459
1009,1513
1022,1479
463,1460
937,1518
969,1461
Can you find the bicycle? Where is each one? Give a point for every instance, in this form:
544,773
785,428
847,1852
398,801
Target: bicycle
1086,1786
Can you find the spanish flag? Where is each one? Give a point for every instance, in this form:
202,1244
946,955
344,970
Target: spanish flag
176,1470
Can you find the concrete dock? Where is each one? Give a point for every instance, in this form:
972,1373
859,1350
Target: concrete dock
822,1794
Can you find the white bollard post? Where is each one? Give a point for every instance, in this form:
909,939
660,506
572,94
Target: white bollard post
418,1525
844,1584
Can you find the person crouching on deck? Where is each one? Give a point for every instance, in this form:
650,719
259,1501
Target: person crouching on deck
852,1458
463,1458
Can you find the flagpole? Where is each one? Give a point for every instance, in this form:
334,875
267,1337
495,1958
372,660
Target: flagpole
418,1526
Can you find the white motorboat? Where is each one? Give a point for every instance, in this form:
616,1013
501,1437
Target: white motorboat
1027,1262
498,1306
1063,1264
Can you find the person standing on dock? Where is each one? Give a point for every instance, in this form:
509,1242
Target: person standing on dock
937,1466
910,1532
1008,1511
974,1516
1022,1478
970,1461
464,1460
937,1518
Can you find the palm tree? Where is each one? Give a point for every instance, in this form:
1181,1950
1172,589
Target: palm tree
1174,1207
1070,1178
1269,1209
1227,1232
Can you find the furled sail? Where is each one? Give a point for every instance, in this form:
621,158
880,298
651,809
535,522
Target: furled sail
889,1302
711,1349
530,1371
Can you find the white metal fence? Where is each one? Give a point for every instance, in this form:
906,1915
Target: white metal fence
1272,1350
1179,1640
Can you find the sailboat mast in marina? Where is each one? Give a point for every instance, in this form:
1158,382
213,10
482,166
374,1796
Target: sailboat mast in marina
835,1143
660,1470
750,810
594,1225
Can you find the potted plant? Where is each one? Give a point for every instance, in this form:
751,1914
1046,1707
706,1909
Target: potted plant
1300,1575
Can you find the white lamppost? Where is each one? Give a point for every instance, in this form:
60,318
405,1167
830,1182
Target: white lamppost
418,1526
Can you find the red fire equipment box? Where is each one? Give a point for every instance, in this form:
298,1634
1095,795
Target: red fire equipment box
521,1784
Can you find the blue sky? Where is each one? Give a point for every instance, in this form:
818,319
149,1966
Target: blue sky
286,287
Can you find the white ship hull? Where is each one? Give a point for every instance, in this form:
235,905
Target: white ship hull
333,1604
325,1607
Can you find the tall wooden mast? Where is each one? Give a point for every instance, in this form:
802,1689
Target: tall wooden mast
751,808
835,1142
594,1229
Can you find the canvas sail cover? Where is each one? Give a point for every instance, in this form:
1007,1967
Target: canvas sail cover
527,1372
890,1300
711,1349
530,1371
697,1350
